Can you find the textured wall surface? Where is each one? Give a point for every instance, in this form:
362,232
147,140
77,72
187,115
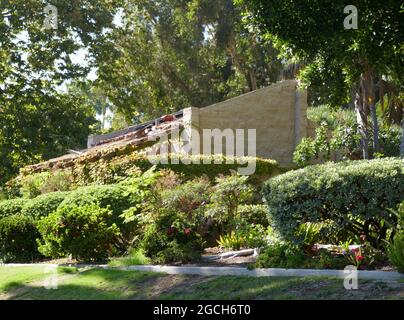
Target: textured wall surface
278,113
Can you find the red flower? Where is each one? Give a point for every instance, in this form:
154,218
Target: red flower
359,257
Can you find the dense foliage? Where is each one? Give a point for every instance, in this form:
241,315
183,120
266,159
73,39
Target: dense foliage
85,232
352,196
183,53
343,64
396,252
43,205
38,120
11,207
336,138
17,239
112,168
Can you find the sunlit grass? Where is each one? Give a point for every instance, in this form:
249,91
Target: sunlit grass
135,257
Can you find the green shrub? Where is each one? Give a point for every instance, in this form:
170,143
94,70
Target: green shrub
310,232
353,195
245,236
337,135
116,198
189,198
85,232
396,252
228,194
43,205
281,255
286,255
170,238
12,188
17,239
400,216
11,207
174,252
254,213
231,241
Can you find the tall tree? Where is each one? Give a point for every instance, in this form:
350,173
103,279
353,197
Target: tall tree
169,54
37,121
314,31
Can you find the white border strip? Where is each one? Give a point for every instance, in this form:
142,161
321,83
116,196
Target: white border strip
236,271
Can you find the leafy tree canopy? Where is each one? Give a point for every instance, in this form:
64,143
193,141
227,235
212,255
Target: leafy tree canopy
38,120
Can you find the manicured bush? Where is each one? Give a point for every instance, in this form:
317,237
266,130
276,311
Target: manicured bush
11,207
43,205
17,239
353,195
85,232
117,198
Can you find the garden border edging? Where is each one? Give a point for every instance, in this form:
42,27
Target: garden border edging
237,271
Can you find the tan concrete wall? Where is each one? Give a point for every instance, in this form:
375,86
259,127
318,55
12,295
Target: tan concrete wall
278,113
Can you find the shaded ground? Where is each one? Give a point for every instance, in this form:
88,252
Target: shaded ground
28,283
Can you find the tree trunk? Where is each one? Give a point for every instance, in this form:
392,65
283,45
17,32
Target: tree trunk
372,107
253,80
361,120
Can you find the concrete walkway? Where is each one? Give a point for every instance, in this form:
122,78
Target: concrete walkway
239,271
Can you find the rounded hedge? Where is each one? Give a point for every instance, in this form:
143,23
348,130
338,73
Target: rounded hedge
17,239
355,196
11,207
43,205
83,231
116,197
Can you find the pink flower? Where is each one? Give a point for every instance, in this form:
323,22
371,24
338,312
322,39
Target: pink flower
187,231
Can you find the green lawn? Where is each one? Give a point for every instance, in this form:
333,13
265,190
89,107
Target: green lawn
28,283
